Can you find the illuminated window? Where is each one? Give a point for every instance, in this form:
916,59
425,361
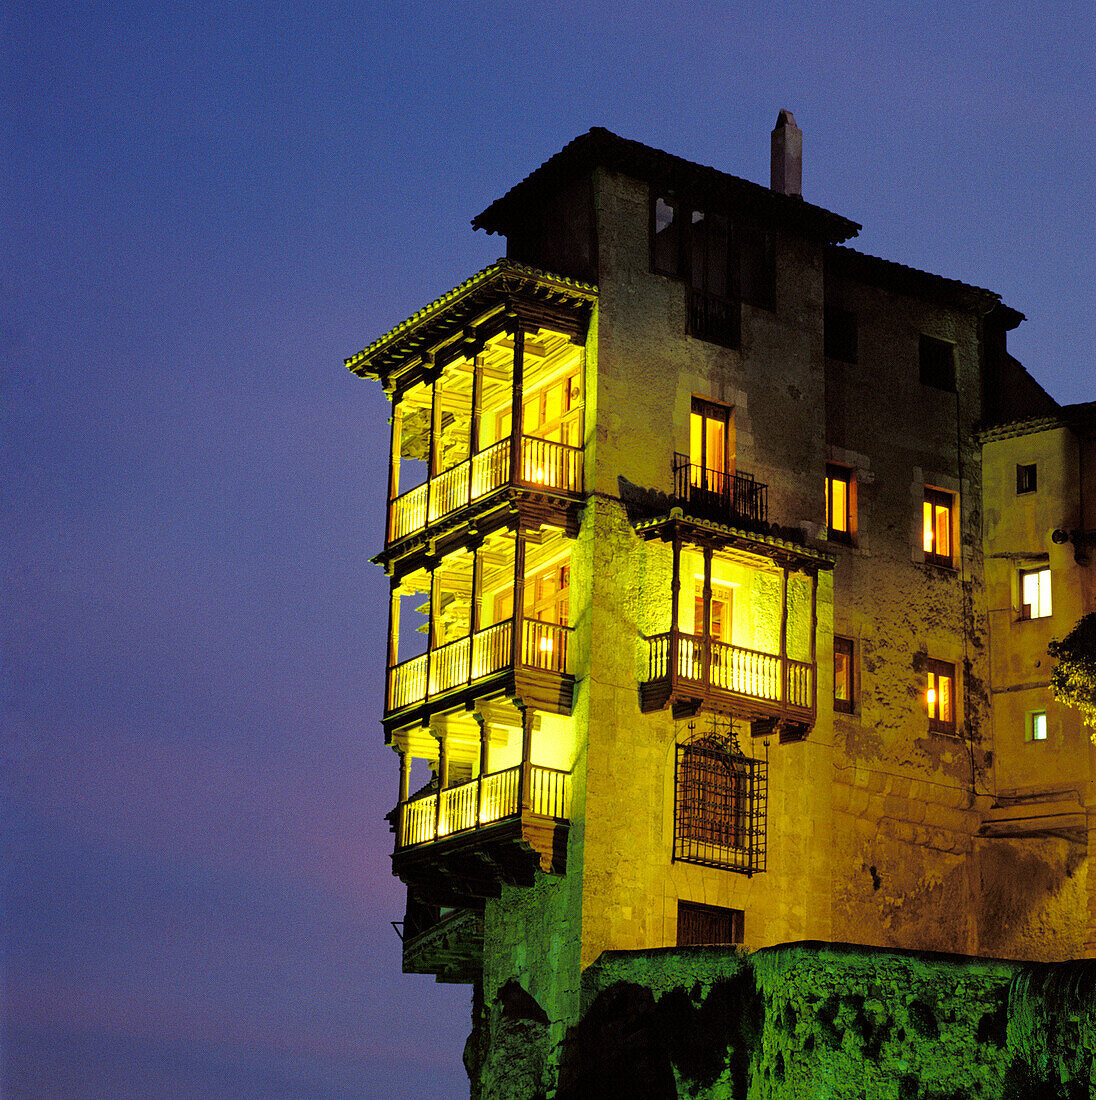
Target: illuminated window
840,335
940,695
720,806
1026,478
839,503
1036,726
936,526
842,674
547,595
709,438
937,363
699,925
1035,593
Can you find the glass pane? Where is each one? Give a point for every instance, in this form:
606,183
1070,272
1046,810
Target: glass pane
943,530
926,528
715,432
841,677
944,687
696,447
839,505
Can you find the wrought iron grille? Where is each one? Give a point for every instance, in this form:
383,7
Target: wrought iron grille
721,802
714,494
698,925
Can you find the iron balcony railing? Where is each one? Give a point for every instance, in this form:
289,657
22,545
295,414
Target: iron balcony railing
544,646
718,495
484,801
734,670
542,465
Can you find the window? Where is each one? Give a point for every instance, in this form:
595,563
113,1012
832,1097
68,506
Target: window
940,695
1026,480
936,526
840,334
842,674
700,925
709,453
724,264
937,361
1035,729
720,806
839,515
1035,593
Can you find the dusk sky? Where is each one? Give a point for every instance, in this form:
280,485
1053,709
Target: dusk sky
207,207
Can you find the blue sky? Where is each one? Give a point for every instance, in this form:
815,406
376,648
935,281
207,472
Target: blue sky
206,208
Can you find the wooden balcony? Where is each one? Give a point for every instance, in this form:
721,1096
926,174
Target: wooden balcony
450,947
696,673
464,842
542,466
539,668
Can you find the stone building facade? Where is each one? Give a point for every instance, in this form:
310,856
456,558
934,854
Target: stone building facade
701,625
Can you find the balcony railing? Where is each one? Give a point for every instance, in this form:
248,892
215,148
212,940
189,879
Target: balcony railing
707,666
484,801
544,646
542,465
718,495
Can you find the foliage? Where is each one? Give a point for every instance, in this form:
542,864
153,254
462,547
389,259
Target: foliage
1074,677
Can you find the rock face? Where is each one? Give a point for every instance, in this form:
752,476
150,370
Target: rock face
803,1020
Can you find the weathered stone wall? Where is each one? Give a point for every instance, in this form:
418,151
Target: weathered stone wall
815,1020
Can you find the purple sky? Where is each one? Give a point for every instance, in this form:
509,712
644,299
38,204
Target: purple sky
207,206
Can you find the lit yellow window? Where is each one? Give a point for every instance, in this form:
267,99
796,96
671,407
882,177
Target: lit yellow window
940,695
936,526
1035,593
838,502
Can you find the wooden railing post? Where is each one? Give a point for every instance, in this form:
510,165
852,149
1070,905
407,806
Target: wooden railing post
672,657
706,652
484,763
516,405
526,793
394,461
784,640
518,640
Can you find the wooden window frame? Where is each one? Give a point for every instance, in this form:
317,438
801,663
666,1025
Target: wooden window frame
847,648
935,671
1030,725
936,499
1027,478
1026,609
693,918
846,475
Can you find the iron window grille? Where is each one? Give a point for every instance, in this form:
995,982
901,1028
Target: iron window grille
703,925
721,800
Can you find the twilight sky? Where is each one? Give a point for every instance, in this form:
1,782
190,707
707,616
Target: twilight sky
206,207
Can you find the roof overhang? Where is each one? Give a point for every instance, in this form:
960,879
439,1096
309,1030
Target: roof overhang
502,297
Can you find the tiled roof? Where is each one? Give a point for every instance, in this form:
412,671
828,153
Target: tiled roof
1081,415
910,280
601,148
467,296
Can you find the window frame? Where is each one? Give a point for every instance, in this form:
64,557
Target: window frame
840,334
846,475
847,648
691,915
1030,725
935,670
938,499
933,370
1027,612
1027,472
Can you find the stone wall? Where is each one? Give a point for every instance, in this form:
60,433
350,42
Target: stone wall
808,1020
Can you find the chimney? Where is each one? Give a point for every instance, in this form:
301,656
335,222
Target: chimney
787,163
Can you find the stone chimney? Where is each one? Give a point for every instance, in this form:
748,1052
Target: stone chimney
787,163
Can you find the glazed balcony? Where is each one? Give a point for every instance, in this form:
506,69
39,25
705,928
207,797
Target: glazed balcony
732,498
542,465
727,678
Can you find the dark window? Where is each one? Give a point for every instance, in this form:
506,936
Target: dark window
720,806
937,363
940,695
840,334
756,267
666,240
839,503
700,925
723,264
842,674
936,527
1026,480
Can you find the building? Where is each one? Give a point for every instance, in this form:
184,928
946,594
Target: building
695,637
